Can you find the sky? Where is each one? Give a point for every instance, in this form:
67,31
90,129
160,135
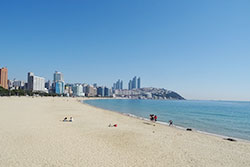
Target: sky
198,48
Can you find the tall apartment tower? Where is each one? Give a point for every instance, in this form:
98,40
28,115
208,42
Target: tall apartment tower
30,81
58,83
139,83
130,85
134,83
58,76
4,78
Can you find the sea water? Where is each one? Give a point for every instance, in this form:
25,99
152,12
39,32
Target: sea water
226,118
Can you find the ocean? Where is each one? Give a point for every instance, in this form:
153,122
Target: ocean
225,118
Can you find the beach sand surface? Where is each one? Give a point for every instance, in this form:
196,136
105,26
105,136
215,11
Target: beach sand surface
32,134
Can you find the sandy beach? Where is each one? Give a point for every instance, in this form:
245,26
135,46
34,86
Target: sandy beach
32,134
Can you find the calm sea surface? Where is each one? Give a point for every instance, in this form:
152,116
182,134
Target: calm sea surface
227,118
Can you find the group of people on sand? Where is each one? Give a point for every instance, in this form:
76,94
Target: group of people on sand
153,117
68,120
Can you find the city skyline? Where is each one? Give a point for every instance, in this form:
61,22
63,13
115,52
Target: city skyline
198,49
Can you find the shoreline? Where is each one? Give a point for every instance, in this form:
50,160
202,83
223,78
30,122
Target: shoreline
164,123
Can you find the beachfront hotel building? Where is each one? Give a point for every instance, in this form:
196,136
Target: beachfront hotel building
36,83
4,77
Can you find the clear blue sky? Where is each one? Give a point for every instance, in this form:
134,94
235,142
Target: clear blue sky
199,48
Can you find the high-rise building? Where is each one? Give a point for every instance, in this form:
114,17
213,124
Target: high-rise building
4,77
36,83
77,90
59,87
139,83
118,85
59,84
134,83
129,85
48,85
100,91
91,91
121,85
106,92
58,76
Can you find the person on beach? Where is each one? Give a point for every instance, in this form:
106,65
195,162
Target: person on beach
65,119
71,119
170,122
151,117
155,118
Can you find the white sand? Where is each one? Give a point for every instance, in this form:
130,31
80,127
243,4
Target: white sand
32,135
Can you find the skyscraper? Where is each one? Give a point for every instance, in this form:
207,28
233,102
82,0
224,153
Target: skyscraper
4,78
59,87
134,83
139,83
118,85
58,76
121,85
48,85
106,92
58,83
129,85
100,91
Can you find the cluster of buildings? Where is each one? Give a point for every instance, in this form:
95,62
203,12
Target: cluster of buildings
38,84
134,83
118,85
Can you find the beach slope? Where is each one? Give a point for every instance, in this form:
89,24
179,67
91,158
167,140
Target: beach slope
32,134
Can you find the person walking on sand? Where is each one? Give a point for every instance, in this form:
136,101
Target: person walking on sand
170,122
155,118
151,117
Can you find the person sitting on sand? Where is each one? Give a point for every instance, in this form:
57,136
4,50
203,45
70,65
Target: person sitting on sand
71,119
65,119
170,122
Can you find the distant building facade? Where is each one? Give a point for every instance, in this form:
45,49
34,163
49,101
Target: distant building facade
134,83
139,83
36,83
77,90
58,84
91,91
100,91
118,85
59,87
4,78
